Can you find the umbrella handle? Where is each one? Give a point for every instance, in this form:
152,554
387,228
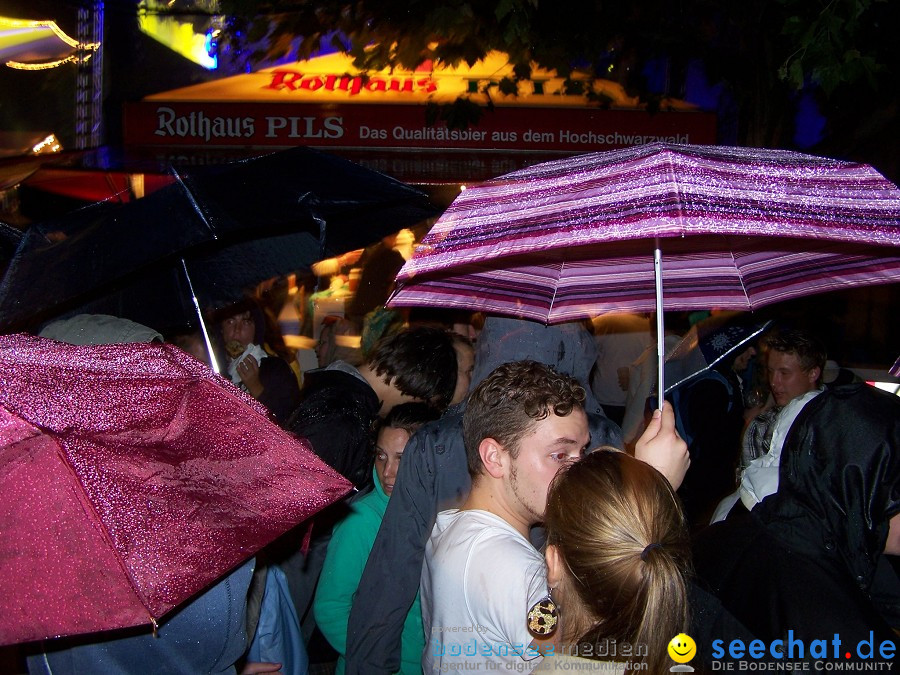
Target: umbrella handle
660,326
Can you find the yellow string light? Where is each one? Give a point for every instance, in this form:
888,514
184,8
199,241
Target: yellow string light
86,49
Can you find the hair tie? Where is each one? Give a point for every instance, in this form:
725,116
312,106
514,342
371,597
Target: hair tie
650,547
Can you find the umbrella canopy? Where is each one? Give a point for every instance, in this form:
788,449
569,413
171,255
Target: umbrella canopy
738,228
9,241
234,225
132,478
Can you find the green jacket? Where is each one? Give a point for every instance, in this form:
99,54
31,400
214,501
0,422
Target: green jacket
344,563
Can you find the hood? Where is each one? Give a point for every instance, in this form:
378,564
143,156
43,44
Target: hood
839,481
98,329
377,489
568,347
319,378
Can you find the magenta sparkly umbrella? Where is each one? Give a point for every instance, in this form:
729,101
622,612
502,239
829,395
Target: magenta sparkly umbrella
656,227
132,478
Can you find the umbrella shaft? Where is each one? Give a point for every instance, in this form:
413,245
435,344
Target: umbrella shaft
213,362
660,324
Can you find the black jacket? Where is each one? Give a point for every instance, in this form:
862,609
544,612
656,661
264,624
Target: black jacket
809,558
337,414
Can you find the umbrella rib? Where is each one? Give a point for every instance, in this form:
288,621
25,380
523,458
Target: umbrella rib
562,266
87,504
194,203
739,275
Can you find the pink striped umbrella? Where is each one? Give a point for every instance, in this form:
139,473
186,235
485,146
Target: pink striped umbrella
738,228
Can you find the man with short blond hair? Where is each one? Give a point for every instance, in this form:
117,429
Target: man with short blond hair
794,364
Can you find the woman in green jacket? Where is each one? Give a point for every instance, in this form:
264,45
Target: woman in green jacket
353,538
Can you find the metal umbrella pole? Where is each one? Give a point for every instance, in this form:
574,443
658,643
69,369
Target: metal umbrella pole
213,362
660,324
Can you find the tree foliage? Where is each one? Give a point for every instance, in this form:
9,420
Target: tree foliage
761,53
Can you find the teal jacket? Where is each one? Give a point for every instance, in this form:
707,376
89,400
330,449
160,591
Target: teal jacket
344,563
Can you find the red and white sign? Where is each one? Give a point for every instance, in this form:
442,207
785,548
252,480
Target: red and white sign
216,124
327,103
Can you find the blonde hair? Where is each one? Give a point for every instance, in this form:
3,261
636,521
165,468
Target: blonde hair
620,532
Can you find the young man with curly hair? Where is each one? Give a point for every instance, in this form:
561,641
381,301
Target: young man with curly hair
481,576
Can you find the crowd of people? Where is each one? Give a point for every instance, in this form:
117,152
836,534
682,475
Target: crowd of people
523,502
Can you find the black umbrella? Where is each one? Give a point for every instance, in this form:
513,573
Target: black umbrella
9,242
218,229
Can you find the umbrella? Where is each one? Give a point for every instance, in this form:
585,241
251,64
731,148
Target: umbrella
739,227
132,478
215,230
9,240
707,344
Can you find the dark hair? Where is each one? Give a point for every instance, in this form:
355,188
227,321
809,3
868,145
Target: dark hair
409,416
246,305
509,401
420,362
265,328
809,350
620,532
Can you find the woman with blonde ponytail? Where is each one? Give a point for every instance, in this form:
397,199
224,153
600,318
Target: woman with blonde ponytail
617,555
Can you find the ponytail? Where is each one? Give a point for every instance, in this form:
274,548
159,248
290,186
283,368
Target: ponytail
620,531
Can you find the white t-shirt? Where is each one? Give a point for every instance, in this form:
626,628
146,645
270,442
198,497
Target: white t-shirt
479,580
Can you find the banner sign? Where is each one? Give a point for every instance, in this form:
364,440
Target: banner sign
333,79
208,124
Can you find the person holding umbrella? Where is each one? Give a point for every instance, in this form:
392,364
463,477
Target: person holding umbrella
522,424
617,557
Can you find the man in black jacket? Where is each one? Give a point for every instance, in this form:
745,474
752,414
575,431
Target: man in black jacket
810,559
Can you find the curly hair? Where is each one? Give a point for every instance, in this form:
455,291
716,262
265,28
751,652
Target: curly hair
511,400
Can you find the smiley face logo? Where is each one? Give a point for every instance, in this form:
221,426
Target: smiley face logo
682,648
